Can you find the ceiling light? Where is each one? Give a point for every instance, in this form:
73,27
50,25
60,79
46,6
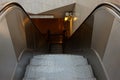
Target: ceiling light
69,16
75,18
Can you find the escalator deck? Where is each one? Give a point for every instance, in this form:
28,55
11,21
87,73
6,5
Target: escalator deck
58,67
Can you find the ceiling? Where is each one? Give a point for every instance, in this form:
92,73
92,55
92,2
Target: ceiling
59,12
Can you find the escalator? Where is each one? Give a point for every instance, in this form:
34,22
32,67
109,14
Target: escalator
86,55
58,66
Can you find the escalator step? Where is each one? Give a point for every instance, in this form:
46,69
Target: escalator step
58,67
59,71
66,61
56,48
62,56
59,78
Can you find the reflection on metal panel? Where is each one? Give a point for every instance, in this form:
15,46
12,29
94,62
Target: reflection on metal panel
103,21
14,27
7,54
111,58
17,30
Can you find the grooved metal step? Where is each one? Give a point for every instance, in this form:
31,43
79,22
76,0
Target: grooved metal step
60,60
58,67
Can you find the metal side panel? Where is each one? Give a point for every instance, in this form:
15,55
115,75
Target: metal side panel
8,59
104,44
103,21
23,62
17,30
14,18
105,40
111,58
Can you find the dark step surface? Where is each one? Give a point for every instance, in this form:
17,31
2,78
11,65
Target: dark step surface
56,48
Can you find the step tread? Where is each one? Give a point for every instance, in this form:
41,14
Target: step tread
67,61
59,71
58,55
43,78
58,67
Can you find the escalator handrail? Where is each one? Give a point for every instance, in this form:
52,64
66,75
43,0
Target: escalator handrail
6,6
12,4
106,4
114,7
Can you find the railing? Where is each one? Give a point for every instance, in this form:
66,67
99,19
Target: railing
80,33
30,34
33,36
17,34
97,33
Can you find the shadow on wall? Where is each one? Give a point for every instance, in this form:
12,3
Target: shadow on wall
82,37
